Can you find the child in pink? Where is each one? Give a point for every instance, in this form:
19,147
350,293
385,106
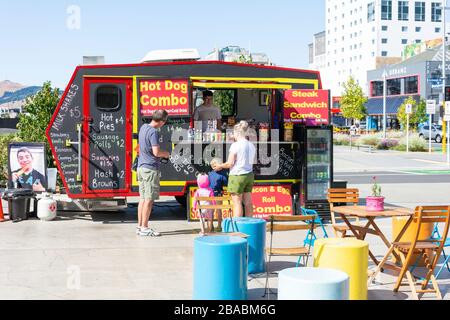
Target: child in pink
204,190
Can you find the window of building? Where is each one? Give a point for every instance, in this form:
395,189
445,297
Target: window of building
437,30
404,29
419,11
411,85
418,41
384,28
373,54
386,9
384,40
418,29
377,88
404,41
384,53
436,12
403,10
371,12
394,87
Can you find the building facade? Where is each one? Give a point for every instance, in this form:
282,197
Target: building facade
362,35
418,77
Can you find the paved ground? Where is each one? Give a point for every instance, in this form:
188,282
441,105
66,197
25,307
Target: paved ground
41,260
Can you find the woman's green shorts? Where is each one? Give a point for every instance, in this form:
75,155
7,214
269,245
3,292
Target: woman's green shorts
241,184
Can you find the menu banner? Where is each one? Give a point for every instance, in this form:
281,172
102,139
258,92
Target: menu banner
310,107
267,200
166,94
271,200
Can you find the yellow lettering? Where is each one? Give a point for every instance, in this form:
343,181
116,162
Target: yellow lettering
144,100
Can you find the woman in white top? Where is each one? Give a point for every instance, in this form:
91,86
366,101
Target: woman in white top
240,162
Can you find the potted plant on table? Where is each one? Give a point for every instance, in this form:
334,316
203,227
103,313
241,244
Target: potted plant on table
376,201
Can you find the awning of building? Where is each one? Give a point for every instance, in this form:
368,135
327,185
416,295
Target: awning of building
374,106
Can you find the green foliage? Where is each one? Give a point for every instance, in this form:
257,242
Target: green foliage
5,140
353,100
225,99
368,139
376,188
340,139
418,113
416,144
38,111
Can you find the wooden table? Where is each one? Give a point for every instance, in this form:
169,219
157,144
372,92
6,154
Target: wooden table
371,227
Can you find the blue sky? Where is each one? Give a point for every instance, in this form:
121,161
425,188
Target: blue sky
36,44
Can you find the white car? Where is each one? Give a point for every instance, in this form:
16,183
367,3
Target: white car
436,132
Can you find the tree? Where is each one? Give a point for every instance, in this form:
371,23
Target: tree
37,113
418,115
353,100
224,99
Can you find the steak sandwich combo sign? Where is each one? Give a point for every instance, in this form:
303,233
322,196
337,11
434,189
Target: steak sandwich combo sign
310,107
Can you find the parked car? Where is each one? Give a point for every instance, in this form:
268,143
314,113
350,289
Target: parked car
436,132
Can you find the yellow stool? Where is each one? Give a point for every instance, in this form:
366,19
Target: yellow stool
346,254
425,233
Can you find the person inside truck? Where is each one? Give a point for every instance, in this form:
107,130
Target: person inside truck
27,177
208,112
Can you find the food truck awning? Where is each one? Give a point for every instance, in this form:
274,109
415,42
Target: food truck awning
250,83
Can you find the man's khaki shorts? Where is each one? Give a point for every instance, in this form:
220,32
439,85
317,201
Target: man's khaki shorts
149,183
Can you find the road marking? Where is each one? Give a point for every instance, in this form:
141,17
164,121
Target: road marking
408,172
429,161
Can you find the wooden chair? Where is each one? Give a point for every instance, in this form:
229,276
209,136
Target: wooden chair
344,196
222,203
430,249
289,223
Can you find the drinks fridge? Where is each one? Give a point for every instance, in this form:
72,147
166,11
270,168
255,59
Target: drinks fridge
317,167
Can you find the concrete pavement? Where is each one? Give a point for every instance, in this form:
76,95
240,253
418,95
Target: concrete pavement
98,255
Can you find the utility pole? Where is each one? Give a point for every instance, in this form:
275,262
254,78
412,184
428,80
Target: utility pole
444,76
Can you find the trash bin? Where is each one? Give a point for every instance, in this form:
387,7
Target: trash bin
19,201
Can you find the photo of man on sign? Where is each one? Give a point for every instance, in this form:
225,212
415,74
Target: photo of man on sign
27,167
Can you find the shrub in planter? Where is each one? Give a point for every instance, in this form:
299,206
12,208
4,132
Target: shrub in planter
341,139
416,144
368,139
386,144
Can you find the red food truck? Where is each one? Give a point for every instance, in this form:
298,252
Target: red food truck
94,130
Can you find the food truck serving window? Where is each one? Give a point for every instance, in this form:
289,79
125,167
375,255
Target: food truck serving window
108,98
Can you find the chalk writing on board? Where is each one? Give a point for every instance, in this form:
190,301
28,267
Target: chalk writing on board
65,108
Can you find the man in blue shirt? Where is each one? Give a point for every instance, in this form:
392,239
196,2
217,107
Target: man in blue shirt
148,172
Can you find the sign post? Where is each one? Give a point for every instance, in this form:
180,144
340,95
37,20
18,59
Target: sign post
447,119
408,111
431,109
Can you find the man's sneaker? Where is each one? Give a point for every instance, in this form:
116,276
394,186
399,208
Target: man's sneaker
149,233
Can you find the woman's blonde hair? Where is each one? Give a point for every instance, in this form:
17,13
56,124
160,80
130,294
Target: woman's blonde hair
240,130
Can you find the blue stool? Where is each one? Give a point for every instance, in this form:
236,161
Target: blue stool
220,268
256,230
313,284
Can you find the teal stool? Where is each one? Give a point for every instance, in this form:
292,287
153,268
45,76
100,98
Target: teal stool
220,268
313,284
256,231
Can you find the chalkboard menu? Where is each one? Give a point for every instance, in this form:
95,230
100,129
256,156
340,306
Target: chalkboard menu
64,128
107,140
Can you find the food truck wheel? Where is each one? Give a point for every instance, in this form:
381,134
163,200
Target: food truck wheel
182,200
